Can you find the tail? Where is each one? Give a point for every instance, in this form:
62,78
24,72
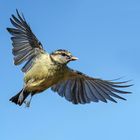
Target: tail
20,97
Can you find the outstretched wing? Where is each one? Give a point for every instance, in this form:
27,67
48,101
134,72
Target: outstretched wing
25,44
80,88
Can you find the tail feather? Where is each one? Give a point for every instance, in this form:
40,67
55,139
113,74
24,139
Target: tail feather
20,97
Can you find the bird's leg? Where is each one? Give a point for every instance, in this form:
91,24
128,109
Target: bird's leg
27,103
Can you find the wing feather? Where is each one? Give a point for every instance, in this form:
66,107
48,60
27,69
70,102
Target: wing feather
88,92
96,92
26,46
79,88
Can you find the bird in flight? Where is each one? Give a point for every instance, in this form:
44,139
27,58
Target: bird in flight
43,70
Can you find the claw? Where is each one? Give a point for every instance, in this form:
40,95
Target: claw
27,103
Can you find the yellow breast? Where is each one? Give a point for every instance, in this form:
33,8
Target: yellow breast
43,74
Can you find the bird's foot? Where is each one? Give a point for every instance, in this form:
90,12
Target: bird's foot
27,103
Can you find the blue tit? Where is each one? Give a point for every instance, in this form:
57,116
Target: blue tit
43,70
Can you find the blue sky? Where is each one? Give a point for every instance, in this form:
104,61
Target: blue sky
105,36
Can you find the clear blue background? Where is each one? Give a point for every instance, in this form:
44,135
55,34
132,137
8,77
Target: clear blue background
105,35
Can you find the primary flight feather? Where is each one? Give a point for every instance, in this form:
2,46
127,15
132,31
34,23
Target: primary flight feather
43,70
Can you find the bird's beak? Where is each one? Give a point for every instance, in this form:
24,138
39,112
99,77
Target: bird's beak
73,58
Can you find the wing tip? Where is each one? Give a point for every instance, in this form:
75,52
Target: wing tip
8,29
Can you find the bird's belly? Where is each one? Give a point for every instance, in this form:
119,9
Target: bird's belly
39,85
43,81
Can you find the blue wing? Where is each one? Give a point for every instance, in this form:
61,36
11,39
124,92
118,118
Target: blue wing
80,89
25,44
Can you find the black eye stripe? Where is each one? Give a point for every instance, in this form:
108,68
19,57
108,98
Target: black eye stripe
63,54
66,55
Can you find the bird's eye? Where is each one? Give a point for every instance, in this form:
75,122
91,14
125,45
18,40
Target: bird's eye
63,54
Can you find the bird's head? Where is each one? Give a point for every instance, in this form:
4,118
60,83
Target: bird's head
62,56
